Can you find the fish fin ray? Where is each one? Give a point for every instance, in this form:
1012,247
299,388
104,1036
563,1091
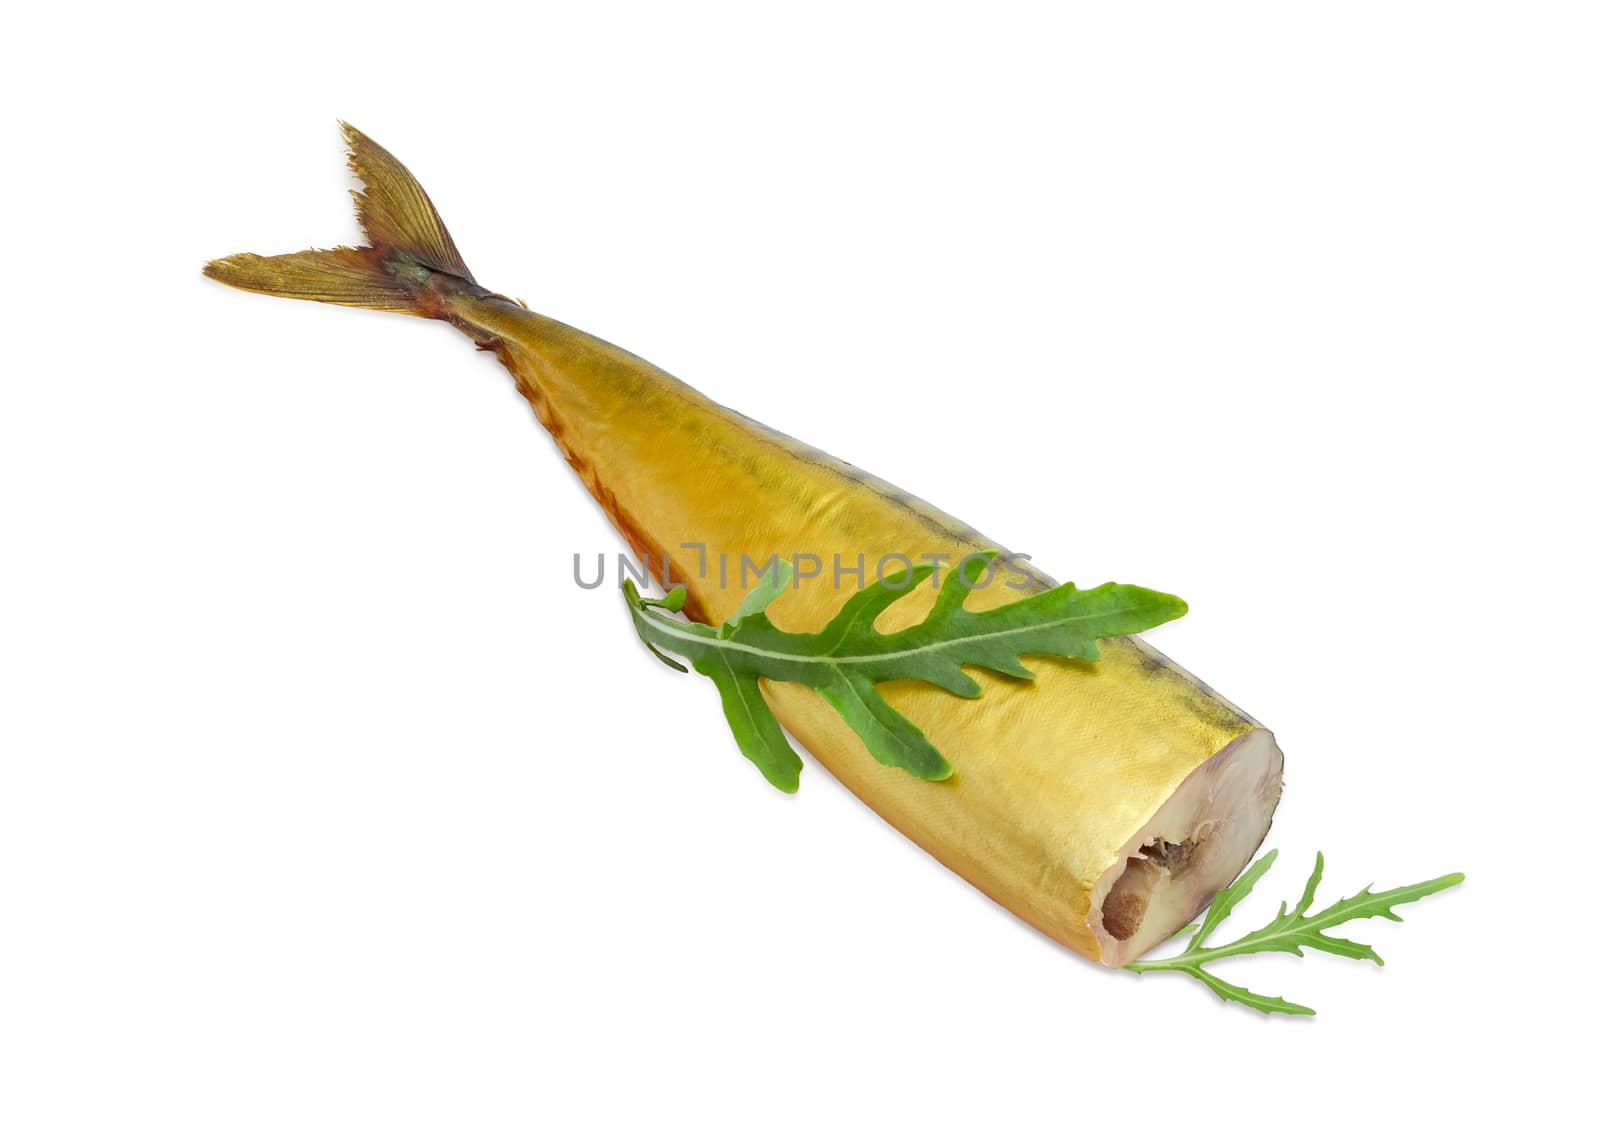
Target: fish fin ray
409,243
350,277
394,211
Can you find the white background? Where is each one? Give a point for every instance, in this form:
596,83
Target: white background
328,802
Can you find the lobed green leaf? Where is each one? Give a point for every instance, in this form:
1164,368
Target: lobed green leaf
848,657
1289,931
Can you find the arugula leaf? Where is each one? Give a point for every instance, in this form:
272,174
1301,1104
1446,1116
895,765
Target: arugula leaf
848,658
1224,901
754,726
1289,931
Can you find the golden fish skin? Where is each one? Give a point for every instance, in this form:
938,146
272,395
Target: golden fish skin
1102,803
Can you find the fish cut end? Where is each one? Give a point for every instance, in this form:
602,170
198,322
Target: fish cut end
1197,842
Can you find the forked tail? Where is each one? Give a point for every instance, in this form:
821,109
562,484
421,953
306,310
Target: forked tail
408,245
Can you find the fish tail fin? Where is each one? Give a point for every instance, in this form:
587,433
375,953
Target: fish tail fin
407,245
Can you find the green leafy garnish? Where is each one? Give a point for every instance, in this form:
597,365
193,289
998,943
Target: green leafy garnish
1290,931
847,659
